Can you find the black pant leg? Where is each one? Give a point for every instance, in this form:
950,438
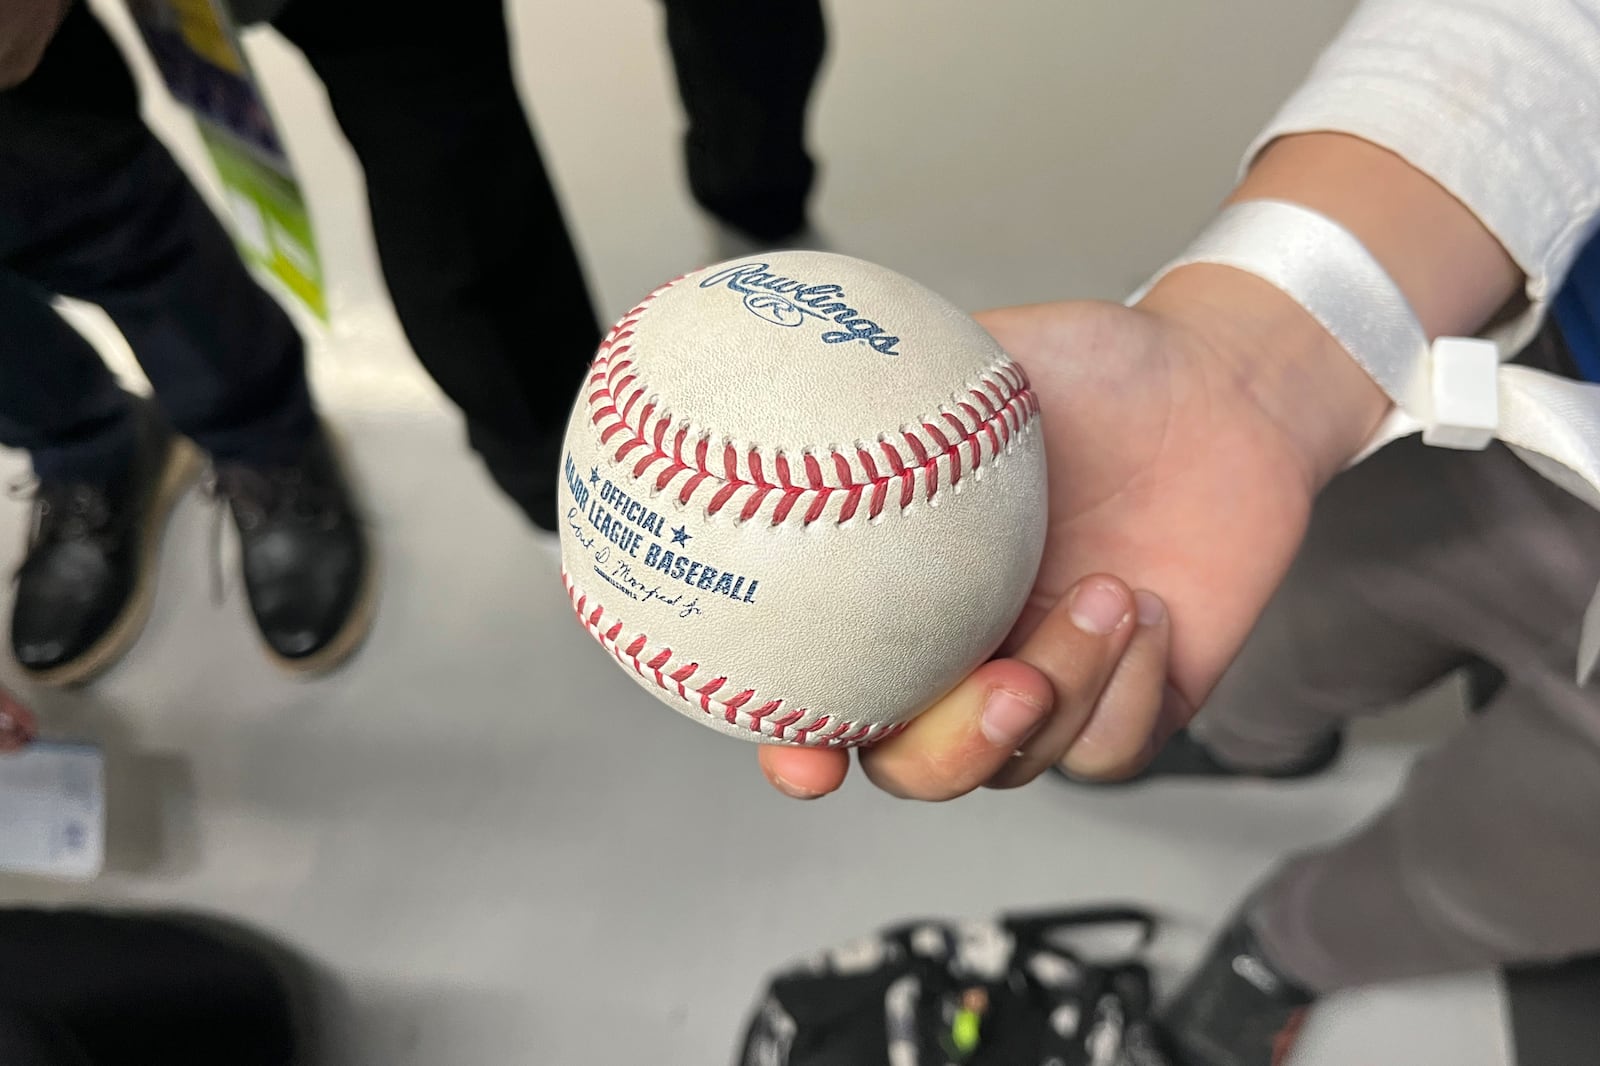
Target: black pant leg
93,206
57,399
476,254
58,402
745,73
33,1040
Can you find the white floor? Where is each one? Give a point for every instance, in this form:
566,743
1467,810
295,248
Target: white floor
496,847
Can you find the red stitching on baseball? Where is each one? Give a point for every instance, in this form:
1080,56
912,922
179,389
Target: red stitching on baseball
785,722
659,670
1004,405
813,471
800,734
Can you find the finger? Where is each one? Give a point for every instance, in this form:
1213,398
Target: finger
1122,732
1177,711
1076,646
803,773
17,725
958,743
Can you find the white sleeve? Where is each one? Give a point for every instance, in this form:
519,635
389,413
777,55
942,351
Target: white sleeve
1496,100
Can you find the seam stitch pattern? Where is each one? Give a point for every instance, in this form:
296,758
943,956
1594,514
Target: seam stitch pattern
715,694
637,430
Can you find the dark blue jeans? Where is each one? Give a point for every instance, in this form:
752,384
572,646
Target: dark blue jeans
92,206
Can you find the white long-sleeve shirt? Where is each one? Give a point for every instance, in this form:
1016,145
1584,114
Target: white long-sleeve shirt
1497,100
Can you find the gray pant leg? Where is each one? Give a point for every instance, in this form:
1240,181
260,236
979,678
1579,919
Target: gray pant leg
1350,632
1490,856
1491,853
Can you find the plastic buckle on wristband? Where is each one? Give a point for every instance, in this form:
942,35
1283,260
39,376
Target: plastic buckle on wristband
1464,377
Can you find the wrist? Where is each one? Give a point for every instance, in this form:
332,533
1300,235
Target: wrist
1450,273
1453,272
1262,343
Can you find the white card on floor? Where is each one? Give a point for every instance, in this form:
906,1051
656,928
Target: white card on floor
53,810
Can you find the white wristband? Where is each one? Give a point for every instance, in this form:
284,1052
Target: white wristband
1447,390
1454,391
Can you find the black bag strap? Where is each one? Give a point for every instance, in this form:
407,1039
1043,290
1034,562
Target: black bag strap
1033,925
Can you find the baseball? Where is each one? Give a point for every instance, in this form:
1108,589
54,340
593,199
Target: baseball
803,496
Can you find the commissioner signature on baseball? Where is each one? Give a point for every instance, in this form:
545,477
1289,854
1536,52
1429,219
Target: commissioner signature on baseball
790,301
574,524
623,573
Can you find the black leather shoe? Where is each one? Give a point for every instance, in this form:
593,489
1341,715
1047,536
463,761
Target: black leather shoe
1236,1009
307,564
85,587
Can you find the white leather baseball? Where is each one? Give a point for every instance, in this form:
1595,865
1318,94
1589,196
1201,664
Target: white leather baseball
802,497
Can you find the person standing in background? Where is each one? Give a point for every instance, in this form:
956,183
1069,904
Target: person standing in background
93,206
483,273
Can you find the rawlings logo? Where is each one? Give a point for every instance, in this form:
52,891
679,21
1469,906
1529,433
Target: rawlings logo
788,302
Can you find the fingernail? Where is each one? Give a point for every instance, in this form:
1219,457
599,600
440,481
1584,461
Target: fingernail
1151,609
1008,719
792,790
1098,607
